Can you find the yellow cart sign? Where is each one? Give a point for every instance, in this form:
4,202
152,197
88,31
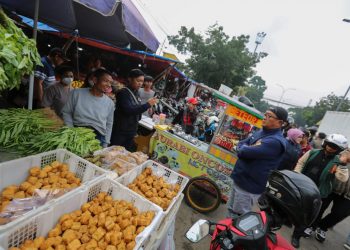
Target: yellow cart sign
185,158
243,116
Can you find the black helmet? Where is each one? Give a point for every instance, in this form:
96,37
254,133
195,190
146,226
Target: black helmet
294,196
246,101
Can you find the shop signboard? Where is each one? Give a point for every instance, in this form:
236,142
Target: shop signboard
185,158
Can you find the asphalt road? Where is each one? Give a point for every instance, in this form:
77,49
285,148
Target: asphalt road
187,216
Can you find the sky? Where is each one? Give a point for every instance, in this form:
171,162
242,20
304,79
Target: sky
307,41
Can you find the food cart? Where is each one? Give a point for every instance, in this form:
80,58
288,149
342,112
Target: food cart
214,161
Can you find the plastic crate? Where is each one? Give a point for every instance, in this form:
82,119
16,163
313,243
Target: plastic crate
158,236
41,223
169,176
16,171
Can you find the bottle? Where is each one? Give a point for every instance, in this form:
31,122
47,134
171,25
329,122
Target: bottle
155,119
162,119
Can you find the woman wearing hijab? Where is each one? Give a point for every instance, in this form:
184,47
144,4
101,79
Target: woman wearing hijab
293,150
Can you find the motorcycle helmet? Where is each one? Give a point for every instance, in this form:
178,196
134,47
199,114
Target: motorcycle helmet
212,119
246,101
293,196
337,141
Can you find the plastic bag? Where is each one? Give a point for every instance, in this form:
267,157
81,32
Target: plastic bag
121,166
18,207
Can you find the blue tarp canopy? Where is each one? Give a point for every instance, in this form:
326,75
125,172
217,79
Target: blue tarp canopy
117,22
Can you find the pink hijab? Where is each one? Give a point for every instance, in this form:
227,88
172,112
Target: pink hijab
294,133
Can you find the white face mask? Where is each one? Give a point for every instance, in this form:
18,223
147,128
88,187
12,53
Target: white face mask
67,80
91,83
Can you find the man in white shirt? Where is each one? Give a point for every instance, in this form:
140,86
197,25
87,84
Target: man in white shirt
146,93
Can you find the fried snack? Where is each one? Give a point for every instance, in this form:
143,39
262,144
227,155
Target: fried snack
111,247
131,245
154,188
54,176
80,230
56,231
75,244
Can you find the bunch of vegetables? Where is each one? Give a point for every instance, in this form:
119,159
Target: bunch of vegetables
18,54
80,141
18,125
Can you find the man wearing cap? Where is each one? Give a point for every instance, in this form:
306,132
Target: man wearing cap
45,75
257,155
187,116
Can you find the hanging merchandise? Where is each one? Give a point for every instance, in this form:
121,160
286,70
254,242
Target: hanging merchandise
18,54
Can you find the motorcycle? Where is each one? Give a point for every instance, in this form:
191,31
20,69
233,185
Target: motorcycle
249,231
290,198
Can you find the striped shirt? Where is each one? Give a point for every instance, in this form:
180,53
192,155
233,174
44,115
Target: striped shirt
46,72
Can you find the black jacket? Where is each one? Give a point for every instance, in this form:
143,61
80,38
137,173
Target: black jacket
128,112
291,156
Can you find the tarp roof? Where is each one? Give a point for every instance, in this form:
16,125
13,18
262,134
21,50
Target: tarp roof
117,22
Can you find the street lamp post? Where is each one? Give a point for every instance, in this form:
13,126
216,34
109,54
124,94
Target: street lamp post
347,91
342,100
284,90
259,39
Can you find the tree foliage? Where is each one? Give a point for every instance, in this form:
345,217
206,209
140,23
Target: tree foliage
312,115
216,58
255,92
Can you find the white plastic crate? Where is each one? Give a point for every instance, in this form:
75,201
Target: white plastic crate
159,235
16,171
41,223
169,176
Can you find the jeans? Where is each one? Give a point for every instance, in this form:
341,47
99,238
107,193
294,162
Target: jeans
240,201
102,139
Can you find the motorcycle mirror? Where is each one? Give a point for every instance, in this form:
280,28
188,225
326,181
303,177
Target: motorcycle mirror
198,231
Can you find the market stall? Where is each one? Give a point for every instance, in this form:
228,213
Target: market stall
193,158
58,199
51,197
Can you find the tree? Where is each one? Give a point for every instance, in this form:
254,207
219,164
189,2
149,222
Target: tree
216,58
312,115
255,92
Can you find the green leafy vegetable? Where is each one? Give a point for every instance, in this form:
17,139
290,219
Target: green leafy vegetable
18,54
18,125
80,141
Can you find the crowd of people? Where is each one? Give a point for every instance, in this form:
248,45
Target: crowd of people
113,114
320,157
324,159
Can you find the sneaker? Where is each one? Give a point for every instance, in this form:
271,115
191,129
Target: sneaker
295,241
308,232
347,246
320,235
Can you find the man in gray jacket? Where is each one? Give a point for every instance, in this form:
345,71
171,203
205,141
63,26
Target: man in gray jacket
91,108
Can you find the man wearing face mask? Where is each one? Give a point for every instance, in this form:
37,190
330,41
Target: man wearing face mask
44,76
91,108
56,95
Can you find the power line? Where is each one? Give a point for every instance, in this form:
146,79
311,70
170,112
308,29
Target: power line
145,8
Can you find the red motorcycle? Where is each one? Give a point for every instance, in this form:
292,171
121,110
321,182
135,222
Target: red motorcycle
290,198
